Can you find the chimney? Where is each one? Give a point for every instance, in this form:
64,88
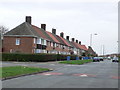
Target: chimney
28,19
76,41
73,39
54,31
62,34
43,26
67,37
80,42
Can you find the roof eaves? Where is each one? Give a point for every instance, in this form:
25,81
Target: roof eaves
21,35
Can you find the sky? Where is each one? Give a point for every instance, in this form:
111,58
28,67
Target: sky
76,18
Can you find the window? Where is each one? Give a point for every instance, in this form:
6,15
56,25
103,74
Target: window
61,46
34,40
42,41
55,45
17,41
48,43
37,51
38,40
45,42
51,44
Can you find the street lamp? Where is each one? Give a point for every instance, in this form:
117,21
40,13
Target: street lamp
118,47
91,38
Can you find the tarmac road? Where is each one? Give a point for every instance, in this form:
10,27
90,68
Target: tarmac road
102,74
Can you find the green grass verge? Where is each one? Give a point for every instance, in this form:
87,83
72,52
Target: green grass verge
76,61
19,70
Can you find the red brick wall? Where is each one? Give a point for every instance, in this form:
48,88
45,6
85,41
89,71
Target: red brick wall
56,48
26,44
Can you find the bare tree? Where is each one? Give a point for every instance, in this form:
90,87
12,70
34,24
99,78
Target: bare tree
3,30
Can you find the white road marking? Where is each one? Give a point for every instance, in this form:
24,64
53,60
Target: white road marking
47,74
84,75
52,64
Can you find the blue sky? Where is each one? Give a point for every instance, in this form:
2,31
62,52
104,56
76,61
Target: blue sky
76,18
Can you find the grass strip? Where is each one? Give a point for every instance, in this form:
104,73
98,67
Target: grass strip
76,62
19,70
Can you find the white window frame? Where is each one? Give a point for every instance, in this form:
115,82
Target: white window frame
45,42
17,41
37,50
38,40
55,44
42,41
51,44
34,40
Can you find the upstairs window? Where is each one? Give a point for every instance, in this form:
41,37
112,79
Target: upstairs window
34,40
51,44
55,44
45,42
38,40
17,41
42,41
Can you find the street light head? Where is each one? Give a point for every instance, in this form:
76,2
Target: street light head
95,34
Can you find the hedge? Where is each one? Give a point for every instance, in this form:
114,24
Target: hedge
35,57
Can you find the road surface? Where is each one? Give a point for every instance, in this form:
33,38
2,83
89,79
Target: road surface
102,74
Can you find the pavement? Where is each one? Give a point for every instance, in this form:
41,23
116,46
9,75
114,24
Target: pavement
102,74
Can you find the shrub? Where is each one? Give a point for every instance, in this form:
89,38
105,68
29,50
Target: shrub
35,57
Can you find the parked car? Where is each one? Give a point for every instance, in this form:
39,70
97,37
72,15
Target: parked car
101,58
115,59
96,59
109,58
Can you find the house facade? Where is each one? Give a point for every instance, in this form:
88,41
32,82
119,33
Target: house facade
28,38
91,52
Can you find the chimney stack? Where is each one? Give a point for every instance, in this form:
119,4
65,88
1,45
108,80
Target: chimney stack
62,34
73,39
76,41
54,31
80,42
43,26
67,37
28,19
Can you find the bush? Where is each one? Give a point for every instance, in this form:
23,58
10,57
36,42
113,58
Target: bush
35,57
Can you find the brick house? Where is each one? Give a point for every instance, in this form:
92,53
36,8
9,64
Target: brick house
28,38
80,49
91,52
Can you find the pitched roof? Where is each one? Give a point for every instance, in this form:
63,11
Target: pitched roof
26,29
69,43
23,29
60,40
42,33
84,47
79,46
53,37
75,45
64,41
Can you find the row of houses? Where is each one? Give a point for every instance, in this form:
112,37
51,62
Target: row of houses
28,38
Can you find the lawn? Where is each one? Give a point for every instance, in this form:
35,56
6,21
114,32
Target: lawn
19,70
76,61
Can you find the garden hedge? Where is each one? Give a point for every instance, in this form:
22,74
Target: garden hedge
35,57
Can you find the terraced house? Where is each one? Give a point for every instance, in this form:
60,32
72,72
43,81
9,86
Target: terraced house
28,38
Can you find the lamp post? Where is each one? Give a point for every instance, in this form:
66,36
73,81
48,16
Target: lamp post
91,39
118,47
